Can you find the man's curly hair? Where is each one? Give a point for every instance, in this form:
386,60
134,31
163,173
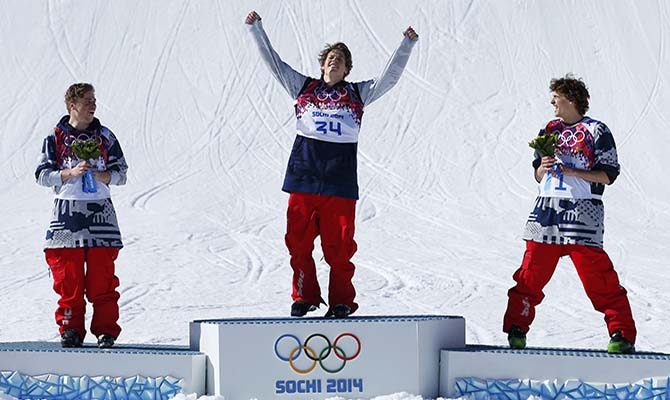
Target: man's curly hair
573,89
337,46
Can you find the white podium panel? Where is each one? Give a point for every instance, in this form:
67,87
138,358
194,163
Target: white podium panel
317,358
145,371
555,365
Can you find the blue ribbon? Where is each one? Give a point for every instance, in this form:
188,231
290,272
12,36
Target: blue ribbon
88,184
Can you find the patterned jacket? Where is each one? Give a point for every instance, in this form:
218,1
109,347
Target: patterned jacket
569,210
588,145
328,120
57,155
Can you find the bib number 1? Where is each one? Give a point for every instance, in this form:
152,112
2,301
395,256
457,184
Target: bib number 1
548,184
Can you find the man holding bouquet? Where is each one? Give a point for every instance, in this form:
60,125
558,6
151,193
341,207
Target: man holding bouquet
575,158
79,160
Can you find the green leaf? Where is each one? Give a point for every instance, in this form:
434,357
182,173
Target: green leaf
86,149
545,144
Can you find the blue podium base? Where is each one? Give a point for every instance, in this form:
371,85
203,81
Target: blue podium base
45,370
487,372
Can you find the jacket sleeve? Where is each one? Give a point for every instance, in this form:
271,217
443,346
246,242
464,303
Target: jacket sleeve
375,88
606,156
47,172
116,162
289,78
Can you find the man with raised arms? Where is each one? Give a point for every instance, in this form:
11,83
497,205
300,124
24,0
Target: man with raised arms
321,174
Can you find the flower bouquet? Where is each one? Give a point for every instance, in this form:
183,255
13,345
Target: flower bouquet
545,145
87,150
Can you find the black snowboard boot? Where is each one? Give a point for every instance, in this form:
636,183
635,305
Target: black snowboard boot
70,338
339,311
299,308
105,341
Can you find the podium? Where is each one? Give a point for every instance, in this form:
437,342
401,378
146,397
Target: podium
480,372
318,358
44,370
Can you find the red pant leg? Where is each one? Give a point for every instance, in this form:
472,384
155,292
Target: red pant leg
67,269
539,264
601,284
301,230
101,284
336,226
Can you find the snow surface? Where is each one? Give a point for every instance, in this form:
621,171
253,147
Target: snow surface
444,165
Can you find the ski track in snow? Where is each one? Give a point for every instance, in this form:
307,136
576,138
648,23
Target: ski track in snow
60,39
444,167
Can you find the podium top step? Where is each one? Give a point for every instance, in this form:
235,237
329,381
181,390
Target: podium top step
321,320
551,351
153,349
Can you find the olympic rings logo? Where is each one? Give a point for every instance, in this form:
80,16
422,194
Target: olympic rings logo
83,137
335,95
570,138
316,357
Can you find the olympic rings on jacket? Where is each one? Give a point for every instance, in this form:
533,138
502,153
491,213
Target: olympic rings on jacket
335,95
570,138
317,356
70,139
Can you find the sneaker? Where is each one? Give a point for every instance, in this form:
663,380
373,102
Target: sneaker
339,311
299,308
516,338
70,338
619,344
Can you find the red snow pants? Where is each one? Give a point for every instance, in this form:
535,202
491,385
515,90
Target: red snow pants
596,272
96,281
332,218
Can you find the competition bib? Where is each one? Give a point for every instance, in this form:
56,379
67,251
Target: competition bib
328,125
330,114
565,186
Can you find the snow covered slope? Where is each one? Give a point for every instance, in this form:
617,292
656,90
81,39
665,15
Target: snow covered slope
444,166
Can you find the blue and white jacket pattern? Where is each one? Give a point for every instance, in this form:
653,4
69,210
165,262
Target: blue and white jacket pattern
81,219
569,210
